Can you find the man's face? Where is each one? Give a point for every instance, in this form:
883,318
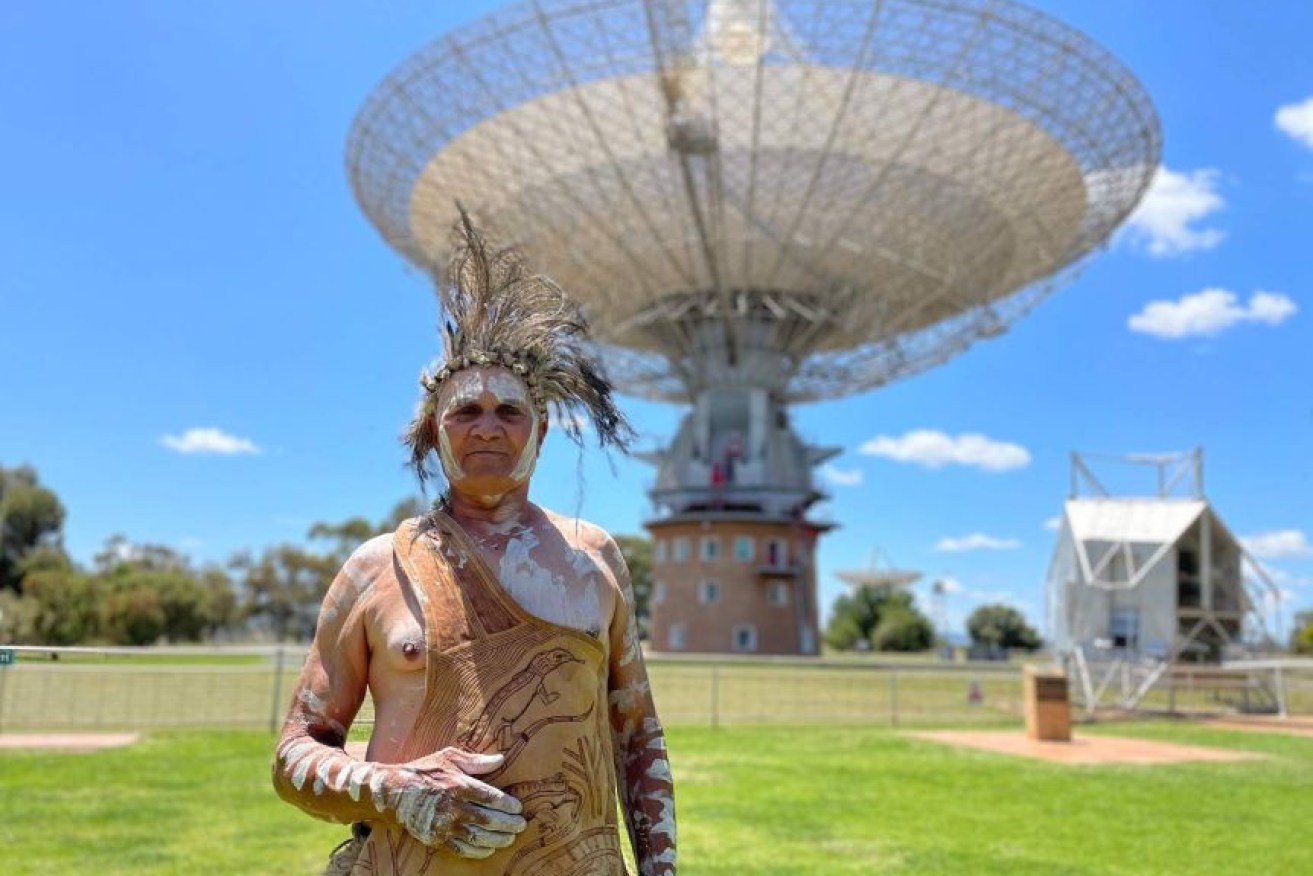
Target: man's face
488,432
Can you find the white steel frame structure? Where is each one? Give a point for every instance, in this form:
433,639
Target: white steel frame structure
1141,584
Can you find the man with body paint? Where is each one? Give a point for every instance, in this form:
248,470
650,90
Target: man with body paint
496,638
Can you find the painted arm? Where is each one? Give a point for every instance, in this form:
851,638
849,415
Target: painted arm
647,789
435,798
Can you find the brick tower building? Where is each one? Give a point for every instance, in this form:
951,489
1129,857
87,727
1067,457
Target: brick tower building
733,551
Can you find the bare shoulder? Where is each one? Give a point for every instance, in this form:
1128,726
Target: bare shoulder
369,560
589,538
579,533
362,570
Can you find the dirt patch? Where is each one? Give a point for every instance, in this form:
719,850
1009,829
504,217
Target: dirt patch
78,742
1086,750
1301,726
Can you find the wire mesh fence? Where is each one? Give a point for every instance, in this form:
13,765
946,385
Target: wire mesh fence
122,688
136,689
48,689
715,693
1193,690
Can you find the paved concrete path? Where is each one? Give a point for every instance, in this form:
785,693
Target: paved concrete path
66,741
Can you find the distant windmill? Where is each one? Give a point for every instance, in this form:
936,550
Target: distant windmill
939,608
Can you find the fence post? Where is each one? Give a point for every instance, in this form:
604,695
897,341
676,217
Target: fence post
893,697
1280,692
4,671
715,695
278,690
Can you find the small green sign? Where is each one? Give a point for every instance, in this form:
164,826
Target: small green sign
6,656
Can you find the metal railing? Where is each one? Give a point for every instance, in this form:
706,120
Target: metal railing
71,689
49,688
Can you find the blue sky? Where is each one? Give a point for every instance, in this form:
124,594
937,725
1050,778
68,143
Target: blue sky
179,251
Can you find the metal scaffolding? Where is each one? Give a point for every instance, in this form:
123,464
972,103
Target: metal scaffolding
1149,585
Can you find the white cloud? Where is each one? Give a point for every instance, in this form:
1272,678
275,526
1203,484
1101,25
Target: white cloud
1281,544
933,449
209,440
841,477
1053,524
1277,576
1166,221
1281,578
822,511
1291,585
1209,312
976,541
1296,119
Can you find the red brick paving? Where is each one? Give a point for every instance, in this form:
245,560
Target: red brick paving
1085,750
1293,726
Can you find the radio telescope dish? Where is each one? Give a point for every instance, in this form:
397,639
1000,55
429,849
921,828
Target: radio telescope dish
880,573
890,578
819,196
760,203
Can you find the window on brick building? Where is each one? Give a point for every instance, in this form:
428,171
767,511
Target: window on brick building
659,551
680,549
744,549
675,637
709,592
778,594
745,637
710,548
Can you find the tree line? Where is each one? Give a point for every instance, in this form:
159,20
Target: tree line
138,594
135,594
884,619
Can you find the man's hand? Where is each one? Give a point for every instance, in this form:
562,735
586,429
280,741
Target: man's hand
437,799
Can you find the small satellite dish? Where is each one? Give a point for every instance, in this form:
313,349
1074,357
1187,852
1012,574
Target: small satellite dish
881,573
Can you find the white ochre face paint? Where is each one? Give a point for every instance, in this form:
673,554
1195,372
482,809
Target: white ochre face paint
450,466
469,387
528,455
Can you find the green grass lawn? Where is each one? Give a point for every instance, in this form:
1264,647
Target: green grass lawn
793,801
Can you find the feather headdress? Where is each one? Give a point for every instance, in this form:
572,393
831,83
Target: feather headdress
495,312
